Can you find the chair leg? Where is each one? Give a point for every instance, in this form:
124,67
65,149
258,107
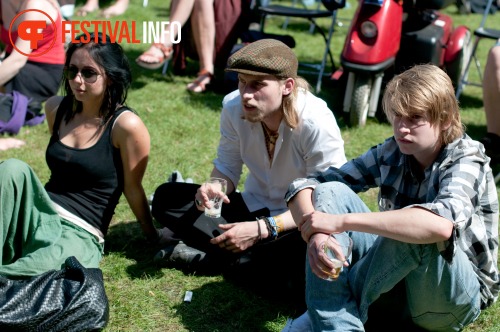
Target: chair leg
327,52
262,22
464,79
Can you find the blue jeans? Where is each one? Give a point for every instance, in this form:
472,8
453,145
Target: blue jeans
441,296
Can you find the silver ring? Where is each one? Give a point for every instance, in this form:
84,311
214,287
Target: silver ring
197,202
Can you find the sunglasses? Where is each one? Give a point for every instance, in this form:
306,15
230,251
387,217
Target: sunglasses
88,75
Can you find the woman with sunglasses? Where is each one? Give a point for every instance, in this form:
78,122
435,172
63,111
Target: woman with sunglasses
98,150
34,70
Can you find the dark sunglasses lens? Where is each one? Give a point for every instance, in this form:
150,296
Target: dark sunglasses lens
89,75
70,73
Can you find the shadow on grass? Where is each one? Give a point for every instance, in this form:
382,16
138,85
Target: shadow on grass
467,101
222,306
476,131
126,239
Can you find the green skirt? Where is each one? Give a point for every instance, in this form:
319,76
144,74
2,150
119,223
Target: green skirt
34,238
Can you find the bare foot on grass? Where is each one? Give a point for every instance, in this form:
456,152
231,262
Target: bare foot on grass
117,9
89,7
10,143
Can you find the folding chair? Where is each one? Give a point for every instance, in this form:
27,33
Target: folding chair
311,15
304,4
480,33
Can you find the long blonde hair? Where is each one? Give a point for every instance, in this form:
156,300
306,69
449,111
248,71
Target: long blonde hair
289,103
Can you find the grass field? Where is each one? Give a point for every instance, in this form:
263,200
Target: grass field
184,134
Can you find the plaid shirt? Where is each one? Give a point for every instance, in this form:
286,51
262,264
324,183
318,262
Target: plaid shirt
458,186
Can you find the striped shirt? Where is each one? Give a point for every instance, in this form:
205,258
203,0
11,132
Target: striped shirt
458,186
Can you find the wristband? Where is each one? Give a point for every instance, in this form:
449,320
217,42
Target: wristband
271,227
279,224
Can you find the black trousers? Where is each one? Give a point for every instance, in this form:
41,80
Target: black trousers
279,264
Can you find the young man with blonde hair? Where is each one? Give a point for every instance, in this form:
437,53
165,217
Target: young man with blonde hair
279,130
434,243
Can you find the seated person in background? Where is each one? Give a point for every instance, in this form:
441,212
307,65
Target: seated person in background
25,69
436,235
98,149
118,8
201,14
279,130
491,100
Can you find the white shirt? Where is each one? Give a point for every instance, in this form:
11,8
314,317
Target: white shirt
314,145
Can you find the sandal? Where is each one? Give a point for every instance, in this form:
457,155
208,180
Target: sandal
199,85
167,53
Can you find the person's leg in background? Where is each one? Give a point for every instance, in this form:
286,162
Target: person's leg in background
158,53
203,25
491,100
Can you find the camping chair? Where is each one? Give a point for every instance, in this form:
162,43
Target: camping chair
480,33
304,4
311,15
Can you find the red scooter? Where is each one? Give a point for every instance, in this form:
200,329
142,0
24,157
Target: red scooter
388,36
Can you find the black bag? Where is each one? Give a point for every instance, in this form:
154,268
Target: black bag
71,299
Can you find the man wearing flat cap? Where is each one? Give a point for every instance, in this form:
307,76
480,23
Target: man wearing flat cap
280,131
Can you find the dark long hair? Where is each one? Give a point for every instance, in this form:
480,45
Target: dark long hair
112,59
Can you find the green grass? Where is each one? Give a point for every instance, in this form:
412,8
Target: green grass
184,135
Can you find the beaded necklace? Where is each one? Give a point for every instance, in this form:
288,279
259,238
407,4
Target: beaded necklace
270,139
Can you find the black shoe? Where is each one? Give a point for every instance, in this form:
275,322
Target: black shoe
181,255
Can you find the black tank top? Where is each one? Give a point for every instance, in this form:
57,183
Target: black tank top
86,182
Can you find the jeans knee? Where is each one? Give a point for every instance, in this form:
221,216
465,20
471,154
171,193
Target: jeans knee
337,198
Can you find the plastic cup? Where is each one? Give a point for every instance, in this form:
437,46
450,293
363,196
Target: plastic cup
337,248
216,190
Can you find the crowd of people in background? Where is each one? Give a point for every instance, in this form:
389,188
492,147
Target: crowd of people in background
300,187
